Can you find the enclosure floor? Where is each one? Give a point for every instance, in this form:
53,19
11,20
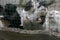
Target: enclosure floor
19,34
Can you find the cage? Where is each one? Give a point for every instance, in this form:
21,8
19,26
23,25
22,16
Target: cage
21,34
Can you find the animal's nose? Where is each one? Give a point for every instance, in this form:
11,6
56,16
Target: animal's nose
51,16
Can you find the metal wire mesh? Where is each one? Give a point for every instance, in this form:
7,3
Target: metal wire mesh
55,6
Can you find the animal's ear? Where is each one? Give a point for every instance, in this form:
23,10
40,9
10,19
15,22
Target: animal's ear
15,6
1,8
7,6
10,7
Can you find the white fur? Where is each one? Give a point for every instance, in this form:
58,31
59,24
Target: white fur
1,24
32,15
53,23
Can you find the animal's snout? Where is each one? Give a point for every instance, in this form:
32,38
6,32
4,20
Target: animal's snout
51,16
39,20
